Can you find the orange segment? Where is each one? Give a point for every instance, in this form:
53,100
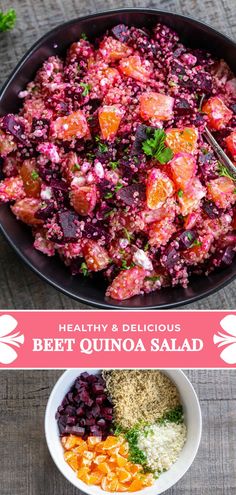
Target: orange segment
104,468
99,459
217,112
123,475
72,441
95,478
136,485
230,142
112,442
83,473
71,459
71,126
159,188
124,449
136,68
183,167
182,140
112,49
31,179
222,191
156,106
109,121
93,441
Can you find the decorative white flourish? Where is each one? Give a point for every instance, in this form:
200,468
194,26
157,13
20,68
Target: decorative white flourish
8,339
227,340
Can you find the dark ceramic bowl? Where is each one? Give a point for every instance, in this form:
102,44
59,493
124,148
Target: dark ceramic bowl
92,291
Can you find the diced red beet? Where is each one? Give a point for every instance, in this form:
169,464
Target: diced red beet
90,422
182,107
68,221
120,32
95,431
170,258
132,195
228,256
95,231
97,388
45,211
141,135
13,125
80,411
186,239
101,423
211,209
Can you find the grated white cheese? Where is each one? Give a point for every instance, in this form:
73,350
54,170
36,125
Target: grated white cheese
162,444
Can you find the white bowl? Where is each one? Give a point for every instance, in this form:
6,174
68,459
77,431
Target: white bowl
193,420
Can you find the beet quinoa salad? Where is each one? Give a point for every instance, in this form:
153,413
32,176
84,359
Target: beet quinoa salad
107,163
121,429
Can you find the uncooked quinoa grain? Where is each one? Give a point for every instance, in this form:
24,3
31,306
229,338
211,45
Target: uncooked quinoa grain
140,395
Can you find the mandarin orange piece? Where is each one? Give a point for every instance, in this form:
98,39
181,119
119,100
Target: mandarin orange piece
100,458
156,106
217,112
159,188
71,441
83,474
109,117
182,140
81,448
230,142
136,68
127,283
183,167
124,449
123,475
222,191
120,460
25,210
83,199
190,199
71,126
112,49
96,256
136,485
91,441
72,459
110,485
112,442
104,467
31,179
11,189
95,478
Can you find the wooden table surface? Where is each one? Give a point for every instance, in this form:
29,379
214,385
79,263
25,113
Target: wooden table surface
19,287
26,466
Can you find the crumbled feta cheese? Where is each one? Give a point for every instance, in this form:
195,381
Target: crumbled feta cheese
162,444
46,193
78,181
140,258
99,170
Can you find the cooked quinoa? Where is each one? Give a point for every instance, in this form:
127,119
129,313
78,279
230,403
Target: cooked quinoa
162,444
107,162
140,395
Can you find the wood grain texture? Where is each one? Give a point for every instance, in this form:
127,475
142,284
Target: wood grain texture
26,466
19,287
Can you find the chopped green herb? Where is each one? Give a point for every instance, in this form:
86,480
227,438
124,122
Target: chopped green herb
108,213
136,455
224,172
196,243
113,165
127,234
87,88
7,20
84,269
136,159
204,151
83,36
234,191
180,193
118,430
124,265
101,146
152,279
156,147
118,186
180,76
108,195
173,416
76,166
34,175
146,247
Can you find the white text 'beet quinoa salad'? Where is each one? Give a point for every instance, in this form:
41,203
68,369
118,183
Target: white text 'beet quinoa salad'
107,161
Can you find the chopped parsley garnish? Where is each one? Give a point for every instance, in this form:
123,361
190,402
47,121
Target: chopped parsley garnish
136,455
108,195
34,175
83,36
180,193
196,243
108,213
7,20
76,166
172,84
101,146
118,186
127,234
173,415
156,148
146,247
152,279
87,88
113,165
224,172
204,151
118,430
84,269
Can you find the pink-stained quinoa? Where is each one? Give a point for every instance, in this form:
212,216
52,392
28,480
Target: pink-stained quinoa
107,161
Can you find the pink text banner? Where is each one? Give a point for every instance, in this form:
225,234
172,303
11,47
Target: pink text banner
117,339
